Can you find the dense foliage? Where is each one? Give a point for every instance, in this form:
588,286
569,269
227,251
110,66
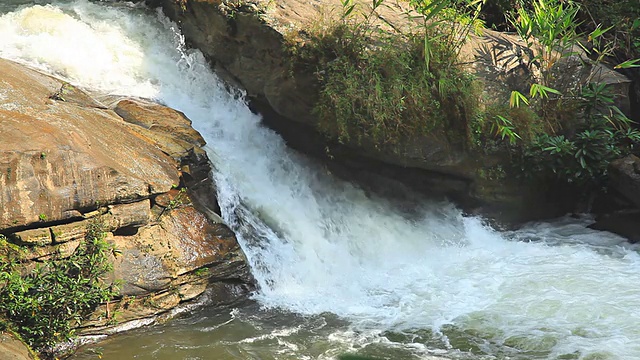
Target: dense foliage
583,158
45,302
598,132
381,86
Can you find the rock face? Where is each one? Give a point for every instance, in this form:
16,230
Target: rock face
67,159
13,349
624,175
246,42
624,184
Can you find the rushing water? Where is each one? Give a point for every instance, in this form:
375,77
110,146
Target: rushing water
339,269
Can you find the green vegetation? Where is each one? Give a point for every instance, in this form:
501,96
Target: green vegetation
622,18
45,302
580,149
204,271
583,158
175,201
381,85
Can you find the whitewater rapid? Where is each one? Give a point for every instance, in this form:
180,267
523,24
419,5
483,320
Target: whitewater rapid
317,244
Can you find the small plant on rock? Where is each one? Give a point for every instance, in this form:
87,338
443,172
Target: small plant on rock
46,303
605,135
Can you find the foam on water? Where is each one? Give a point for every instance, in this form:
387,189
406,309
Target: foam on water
317,244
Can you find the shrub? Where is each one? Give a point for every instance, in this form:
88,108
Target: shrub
382,86
583,158
578,148
46,302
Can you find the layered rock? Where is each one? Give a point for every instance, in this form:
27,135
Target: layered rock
67,159
247,42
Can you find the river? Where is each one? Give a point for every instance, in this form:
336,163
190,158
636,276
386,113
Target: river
340,270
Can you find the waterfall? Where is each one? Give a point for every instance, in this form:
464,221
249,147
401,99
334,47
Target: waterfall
318,244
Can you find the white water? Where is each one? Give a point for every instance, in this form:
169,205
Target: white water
317,244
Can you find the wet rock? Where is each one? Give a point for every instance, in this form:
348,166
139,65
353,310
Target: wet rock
182,241
625,223
620,211
171,132
169,262
624,178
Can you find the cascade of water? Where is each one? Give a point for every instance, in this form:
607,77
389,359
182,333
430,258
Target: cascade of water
317,244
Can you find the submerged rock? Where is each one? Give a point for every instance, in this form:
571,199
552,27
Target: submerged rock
625,223
66,159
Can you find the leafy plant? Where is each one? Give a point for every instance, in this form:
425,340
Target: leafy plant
549,29
504,128
45,303
446,22
583,159
578,152
382,86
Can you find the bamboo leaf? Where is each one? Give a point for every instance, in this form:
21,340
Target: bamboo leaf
628,64
516,98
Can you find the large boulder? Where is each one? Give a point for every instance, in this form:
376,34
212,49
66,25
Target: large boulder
69,159
60,158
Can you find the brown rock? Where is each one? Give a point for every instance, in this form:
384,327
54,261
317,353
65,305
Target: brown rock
57,157
160,120
39,237
135,214
69,232
169,130
183,241
12,348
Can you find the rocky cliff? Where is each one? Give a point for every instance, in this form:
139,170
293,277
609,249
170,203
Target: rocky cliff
67,158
